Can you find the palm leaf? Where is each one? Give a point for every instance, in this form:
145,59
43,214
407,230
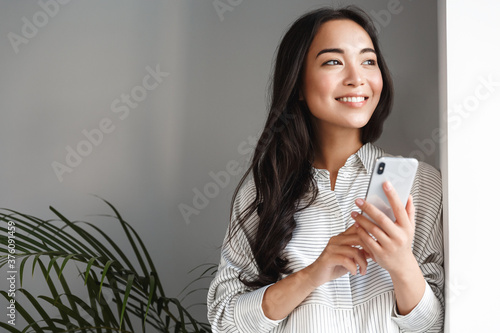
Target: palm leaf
125,228
22,311
39,308
136,289
125,297
9,328
67,291
106,267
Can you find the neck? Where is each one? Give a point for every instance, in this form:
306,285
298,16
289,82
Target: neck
333,148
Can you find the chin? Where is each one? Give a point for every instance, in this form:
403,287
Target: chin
358,123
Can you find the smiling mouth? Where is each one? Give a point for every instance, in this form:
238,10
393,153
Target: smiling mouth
352,99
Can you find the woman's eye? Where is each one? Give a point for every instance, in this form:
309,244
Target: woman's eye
333,62
370,62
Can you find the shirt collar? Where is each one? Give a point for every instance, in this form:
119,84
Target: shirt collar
368,154
365,157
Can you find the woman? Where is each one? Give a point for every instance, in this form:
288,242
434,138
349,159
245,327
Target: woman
298,256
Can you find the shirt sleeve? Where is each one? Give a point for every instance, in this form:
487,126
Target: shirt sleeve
232,306
428,315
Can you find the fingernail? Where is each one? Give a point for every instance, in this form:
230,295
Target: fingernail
388,186
354,214
356,225
360,202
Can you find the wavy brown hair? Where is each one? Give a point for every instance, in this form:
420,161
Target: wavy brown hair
282,162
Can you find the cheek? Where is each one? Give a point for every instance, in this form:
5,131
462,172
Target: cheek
377,84
317,85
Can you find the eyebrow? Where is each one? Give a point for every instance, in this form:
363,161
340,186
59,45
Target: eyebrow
365,50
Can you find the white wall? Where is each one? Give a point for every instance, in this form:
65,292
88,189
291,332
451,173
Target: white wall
471,176
65,78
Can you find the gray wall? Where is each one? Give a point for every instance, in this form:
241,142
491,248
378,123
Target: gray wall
71,74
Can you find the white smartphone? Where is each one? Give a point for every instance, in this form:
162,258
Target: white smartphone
400,171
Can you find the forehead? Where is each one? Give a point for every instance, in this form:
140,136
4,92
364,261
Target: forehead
345,34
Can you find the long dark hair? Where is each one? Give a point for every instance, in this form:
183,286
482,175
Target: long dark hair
282,161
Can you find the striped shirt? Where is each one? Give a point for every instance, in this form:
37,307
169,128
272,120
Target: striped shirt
359,303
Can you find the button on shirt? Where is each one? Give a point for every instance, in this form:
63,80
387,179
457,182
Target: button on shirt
350,303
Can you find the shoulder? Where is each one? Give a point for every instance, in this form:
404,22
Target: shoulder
428,179
246,194
243,201
427,193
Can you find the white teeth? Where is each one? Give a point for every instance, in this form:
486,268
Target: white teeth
351,99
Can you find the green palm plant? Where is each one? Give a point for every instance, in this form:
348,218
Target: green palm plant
132,290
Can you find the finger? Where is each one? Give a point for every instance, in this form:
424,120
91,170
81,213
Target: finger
364,247
353,240
384,222
343,239
350,231
372,246
371,228
361,260
350,239
397,206
356,256
366,251
348,264
363,265
410,209
368,255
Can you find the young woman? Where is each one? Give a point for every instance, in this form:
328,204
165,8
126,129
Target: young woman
298,256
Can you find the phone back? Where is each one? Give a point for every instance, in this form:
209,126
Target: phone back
400,172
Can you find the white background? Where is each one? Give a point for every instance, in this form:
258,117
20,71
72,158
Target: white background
470,163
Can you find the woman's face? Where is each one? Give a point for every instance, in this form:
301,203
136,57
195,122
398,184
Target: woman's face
342,81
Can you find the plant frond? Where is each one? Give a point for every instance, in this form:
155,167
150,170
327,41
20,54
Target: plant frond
115,289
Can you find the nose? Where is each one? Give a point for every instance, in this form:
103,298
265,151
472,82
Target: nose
353,76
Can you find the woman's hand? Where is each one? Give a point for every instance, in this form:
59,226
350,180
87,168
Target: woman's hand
339,257
392,249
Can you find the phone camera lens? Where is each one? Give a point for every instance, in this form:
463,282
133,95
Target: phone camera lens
381,167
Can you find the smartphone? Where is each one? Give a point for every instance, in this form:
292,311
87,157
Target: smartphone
400,171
